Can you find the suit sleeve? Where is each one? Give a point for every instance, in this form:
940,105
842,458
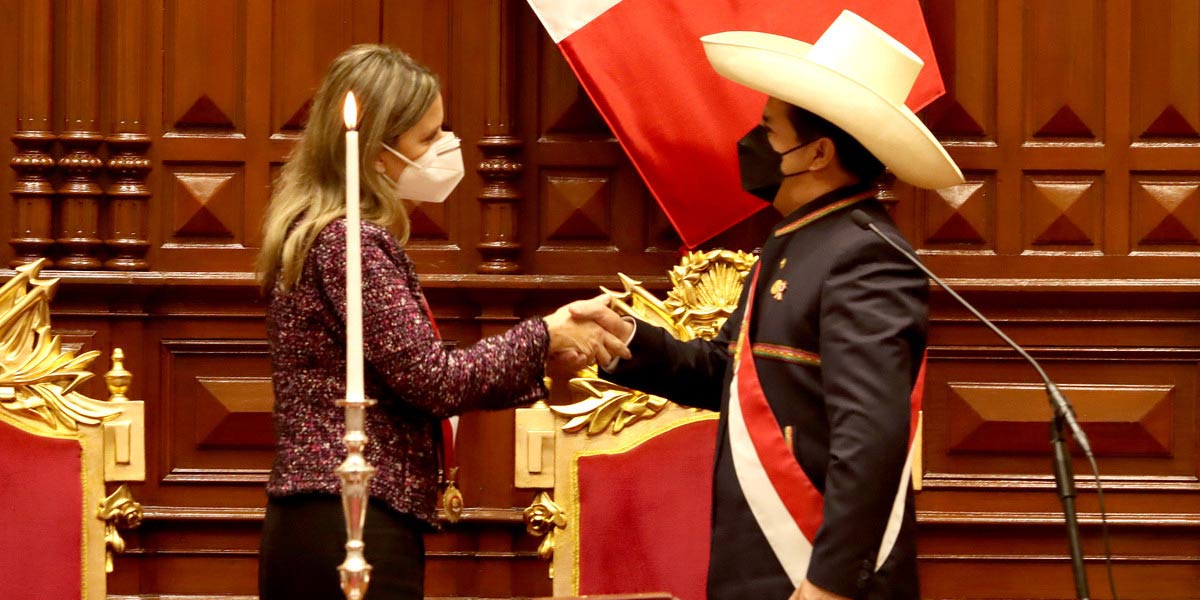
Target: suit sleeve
687,373
873,319
403,351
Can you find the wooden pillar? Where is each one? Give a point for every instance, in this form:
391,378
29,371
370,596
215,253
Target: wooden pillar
80,193
500,197
32,193
127,164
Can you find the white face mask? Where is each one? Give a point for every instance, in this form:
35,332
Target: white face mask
434,174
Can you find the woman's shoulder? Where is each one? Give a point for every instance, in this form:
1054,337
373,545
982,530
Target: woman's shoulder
378,244
372,233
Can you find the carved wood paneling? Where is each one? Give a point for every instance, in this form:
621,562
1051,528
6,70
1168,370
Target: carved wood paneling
1064,69
986,416
576,207
1165,79
32,194
1166,213
961,217
205,54
1007,418
299,58
425,31
499,246
235,413
80,194
1063,211
206,206
587,200
218,427
964,39
128,166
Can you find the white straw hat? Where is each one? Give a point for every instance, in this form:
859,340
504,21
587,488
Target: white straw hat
856,76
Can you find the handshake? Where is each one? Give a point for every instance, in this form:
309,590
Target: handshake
586,332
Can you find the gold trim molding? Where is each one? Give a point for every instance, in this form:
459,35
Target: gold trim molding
543,519
118,511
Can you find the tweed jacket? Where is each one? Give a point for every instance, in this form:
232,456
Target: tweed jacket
415,378
838,332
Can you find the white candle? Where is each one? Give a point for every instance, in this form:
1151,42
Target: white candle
354,340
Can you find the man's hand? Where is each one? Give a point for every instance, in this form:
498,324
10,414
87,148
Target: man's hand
597,310
808,591
578,341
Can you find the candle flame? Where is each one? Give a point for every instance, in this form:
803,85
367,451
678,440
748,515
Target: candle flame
350,111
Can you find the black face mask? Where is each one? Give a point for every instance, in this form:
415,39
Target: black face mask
760,164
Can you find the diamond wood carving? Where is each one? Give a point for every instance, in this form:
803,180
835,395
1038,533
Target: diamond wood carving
959,215
1166,212
576,207
1062,211
205,205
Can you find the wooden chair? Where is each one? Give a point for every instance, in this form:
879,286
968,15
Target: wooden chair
58,448
630,473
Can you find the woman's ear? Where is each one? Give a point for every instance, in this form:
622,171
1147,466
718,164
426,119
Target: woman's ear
379,166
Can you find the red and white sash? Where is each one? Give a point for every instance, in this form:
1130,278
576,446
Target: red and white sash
785,503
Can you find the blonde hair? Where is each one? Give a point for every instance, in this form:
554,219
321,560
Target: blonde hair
393,92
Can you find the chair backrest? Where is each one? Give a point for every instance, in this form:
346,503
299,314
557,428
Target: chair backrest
631,473
58,447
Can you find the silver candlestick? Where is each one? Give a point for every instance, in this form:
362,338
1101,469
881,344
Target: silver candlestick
355,474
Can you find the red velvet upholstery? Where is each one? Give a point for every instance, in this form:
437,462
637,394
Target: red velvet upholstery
644,515
41,503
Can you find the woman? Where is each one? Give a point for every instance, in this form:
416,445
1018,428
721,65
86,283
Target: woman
405,157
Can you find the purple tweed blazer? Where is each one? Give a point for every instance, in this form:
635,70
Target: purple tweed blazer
416,380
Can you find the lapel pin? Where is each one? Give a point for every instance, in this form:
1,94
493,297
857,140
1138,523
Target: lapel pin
778,288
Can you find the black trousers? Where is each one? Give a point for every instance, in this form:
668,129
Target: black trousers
304,541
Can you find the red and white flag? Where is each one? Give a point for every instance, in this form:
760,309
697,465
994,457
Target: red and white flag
642,63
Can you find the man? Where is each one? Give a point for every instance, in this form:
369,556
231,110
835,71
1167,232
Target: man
813,371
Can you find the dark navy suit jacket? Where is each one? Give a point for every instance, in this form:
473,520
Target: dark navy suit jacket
860,307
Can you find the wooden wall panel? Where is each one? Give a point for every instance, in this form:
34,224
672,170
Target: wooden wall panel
31,84
424,30
204,84
1165,78
146,135
299,58
1063,56
216,401
590,205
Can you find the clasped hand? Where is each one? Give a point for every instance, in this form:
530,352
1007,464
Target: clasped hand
586,332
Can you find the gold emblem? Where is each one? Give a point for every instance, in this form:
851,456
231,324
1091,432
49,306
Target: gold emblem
778,288
452,499
782,263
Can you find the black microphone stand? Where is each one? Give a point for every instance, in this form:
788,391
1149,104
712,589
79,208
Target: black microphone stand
1063,414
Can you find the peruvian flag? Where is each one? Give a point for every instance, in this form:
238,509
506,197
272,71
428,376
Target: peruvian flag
642,63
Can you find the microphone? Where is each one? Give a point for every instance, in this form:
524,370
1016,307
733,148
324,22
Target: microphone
1062,413
1059,403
